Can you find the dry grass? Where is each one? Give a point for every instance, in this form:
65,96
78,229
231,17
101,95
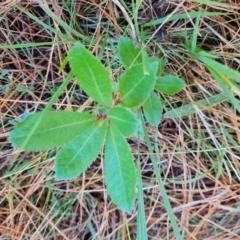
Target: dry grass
199,153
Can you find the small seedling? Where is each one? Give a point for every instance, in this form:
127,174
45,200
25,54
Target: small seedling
82,135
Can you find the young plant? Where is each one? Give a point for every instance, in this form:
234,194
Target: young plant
82,135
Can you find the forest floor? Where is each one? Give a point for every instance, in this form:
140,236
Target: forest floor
198,146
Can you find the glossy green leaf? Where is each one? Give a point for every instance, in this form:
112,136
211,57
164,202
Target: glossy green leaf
128,54
169,84
78,154
54,129
91,74
119,169
153,109
135,87
123,119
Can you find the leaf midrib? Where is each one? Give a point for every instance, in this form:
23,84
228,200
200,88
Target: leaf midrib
59,127
87,140
93,77
133,88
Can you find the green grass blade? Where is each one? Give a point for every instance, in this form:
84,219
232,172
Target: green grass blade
28,164
222,84
221,68
162,189
27,45
193,179
65,25
141,218
195,33
213,3
189,109
182,16
64,36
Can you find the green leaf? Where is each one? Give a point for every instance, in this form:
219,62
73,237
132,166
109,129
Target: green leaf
78,154
169,85
124,120
119,169
128,54
91,74
139,134
135,87
161,64
153,109
54,129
